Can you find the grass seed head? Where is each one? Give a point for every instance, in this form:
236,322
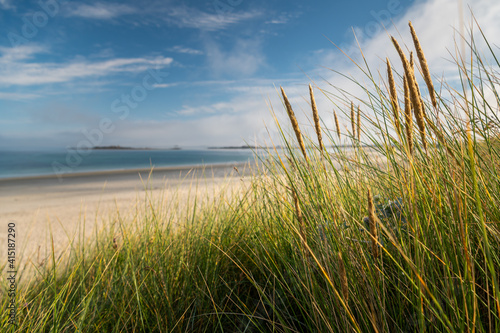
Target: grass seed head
336,123
372,217
423,64
295,123
393,95
343,278
316,118
420,113
353,121
408,116
359,123
418,107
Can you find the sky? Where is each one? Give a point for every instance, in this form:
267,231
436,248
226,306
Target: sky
158,74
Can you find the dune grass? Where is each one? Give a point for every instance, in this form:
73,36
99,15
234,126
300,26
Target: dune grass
398,234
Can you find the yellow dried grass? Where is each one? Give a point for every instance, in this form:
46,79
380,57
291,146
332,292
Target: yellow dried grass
372,217
408,117
353,121
295,123
418,107
393,95
336,123
316,118
423,64
343,278
358,132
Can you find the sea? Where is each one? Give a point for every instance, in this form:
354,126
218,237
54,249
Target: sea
14,164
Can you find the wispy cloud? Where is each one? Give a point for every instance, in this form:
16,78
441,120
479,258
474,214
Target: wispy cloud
283,18
99,10
187,17
19,53
216,108
17,67
17,96
185,50
179,15
165,85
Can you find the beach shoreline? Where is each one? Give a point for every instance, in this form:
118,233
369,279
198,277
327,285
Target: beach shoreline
48,211
122,171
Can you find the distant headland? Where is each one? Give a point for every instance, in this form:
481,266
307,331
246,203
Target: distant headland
131,148
242,147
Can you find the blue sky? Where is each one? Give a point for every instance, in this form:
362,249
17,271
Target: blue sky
191,73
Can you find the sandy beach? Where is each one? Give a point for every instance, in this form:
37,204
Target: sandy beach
46,209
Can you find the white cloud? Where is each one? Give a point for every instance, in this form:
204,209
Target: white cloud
216,108
243,115
23,52
165,85
186,50
237,121
186,17
179,15
284,18
99,10
244,59
278,21
211,130
17,96
15,69
438,35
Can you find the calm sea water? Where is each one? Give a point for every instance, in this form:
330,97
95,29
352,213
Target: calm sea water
22,164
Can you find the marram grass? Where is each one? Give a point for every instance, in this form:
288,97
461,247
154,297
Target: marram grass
373,224
393,95
293,253
353,120
337,126
423,65
408,116
416,100
317,125
295,123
